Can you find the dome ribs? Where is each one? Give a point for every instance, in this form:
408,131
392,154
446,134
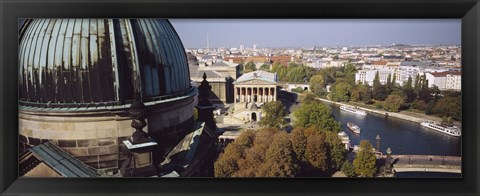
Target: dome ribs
72,63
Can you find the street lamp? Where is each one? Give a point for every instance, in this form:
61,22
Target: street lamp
388,162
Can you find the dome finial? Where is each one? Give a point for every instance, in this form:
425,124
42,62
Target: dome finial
204,76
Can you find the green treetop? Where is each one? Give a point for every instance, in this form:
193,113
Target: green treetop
275,113
365,160
315,114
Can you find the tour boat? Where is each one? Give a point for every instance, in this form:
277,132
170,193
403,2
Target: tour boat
345,139
353,127
453,131
353,110
343,136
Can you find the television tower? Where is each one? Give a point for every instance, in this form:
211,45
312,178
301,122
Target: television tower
208,43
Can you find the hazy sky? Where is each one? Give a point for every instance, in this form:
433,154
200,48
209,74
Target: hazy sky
319,32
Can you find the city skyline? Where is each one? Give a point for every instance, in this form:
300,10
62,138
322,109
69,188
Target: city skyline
312,32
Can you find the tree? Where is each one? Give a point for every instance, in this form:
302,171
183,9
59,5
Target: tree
355,95
389,83
419,105
435,92
296,74
393,103
280,70
379,91
336,150
408,90
366,93
348,169
317,115
430,107
265,67
272,153
364,162
316,154
376,81
350,71
424,93
249,67
226,165
280,159
308,97
361,92
245,140
299,143
394,80
275,113
449,107
317,83
417,86
341,92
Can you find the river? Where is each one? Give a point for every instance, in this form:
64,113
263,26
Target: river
403,137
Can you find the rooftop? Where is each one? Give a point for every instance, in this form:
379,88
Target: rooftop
55,158
445,73
258,75
224,63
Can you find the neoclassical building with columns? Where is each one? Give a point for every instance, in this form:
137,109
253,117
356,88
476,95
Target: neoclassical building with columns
252,90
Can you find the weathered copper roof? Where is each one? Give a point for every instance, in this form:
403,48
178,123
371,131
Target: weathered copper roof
258,75
84,61
58,160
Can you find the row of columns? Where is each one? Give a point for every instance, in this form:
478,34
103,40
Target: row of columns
247,94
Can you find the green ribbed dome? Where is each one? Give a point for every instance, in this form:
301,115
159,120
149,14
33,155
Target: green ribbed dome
85,61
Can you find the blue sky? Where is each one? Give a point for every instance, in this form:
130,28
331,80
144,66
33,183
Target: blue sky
319,32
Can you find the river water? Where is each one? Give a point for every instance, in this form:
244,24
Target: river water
403,137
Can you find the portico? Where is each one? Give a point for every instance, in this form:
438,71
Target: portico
247,93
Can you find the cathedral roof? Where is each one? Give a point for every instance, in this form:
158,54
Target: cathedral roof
72,62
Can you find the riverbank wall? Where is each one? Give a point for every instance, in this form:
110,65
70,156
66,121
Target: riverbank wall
379,112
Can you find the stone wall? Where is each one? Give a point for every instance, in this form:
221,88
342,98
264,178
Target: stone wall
93,140
96,137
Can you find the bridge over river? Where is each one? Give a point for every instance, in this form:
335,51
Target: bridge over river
426,163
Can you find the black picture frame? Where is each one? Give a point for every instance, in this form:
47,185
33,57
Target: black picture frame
11,11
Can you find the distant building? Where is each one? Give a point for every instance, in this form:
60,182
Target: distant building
258,60
221,76
408,70
281,59
367,76
237,60
454,81
394,58
445,80
252,90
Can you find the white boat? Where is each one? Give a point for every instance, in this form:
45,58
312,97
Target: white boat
342,134
345,139
353,110
355,128
453,131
